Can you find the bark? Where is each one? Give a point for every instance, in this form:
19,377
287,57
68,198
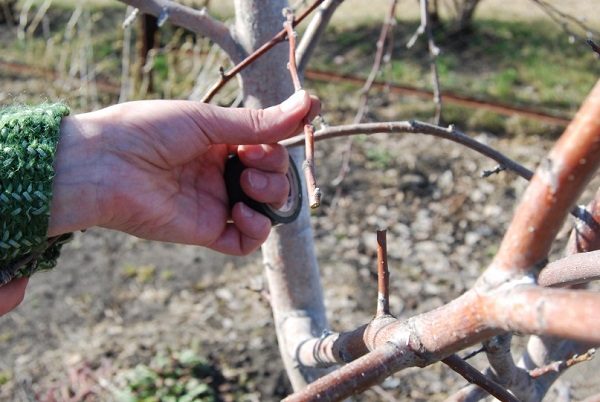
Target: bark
288,255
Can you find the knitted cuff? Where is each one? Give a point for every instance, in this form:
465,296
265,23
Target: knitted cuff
28,139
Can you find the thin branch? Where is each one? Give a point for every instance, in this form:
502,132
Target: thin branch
380,45
572,270
434,51
449,97
383,276
474,376
314,31
594,46
279,37
291,35
416,127
497,351
314,192
562,365
564,19
386,28
474,353
197,21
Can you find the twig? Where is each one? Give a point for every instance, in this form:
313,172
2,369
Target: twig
561,18
473,353
594,46
473,375
416,127
434,51
383,276
314,192
559,366
364,91
380,45
279,37
449,97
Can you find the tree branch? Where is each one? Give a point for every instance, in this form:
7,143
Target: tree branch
594,46
197,21
434,51
473,375
562,365
279,37
314,31
386,28
314,192
569,314
416,127
555,187
572,270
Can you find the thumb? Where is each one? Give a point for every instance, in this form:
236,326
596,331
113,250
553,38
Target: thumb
254,126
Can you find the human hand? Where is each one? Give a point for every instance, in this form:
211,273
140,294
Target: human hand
12,294
154,169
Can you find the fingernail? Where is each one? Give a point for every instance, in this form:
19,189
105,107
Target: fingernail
257,180
254,152
246,211
293,102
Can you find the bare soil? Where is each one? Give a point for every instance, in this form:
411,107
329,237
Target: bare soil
115,301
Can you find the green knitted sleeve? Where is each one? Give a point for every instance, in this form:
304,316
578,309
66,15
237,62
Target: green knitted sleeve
28,138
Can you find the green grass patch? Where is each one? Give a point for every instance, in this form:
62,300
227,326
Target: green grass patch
529,64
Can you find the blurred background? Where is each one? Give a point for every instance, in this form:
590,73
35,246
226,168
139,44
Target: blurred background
126,319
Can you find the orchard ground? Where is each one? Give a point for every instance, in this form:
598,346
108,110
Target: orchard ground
93,328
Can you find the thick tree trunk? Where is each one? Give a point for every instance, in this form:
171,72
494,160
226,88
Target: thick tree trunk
290,262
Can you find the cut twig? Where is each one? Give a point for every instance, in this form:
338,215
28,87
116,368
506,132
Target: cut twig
383,276
314,192
474,376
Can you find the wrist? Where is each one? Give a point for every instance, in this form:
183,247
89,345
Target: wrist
75,188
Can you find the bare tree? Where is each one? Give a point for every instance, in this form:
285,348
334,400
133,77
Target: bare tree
511,295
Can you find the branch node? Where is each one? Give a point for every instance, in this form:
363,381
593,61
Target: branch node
496,170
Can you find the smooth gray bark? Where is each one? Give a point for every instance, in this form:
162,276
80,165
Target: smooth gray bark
289,257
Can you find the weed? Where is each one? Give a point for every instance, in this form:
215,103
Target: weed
180,377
